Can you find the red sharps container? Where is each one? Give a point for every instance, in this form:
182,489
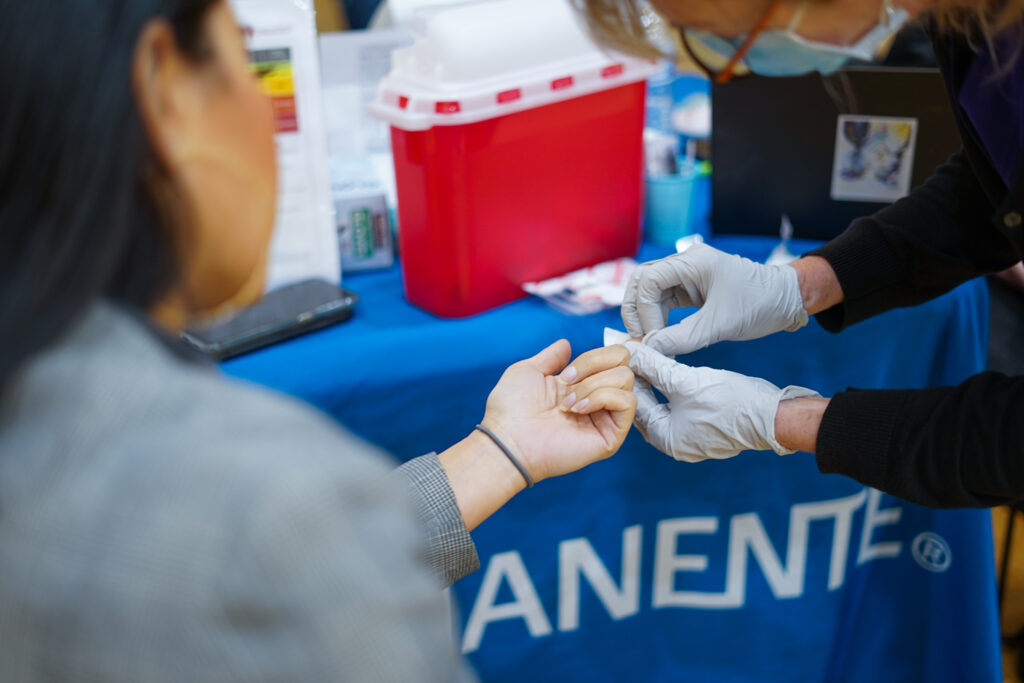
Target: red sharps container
518,153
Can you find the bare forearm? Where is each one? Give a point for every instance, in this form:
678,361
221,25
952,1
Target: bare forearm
819,286
797,422
481,477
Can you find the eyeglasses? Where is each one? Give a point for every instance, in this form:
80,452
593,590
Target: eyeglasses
718,67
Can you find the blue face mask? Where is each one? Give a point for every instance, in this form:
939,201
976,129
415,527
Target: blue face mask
785,53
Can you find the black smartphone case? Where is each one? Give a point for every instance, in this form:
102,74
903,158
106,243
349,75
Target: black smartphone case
281,314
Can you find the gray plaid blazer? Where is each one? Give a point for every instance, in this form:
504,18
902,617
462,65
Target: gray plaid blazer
159,522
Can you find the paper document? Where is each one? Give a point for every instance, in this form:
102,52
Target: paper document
353,62
283,49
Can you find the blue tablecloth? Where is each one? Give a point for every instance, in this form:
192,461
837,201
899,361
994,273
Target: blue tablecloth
640,568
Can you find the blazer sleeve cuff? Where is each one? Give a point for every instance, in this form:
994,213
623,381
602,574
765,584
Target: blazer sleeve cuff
451,553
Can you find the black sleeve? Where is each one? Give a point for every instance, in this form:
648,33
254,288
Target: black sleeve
945,447
924,245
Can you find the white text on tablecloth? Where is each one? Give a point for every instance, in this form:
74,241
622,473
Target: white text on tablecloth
746,537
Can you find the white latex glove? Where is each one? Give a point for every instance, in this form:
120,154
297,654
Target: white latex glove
738,300
710,414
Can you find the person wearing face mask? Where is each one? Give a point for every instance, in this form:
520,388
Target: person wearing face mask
159,522
940,447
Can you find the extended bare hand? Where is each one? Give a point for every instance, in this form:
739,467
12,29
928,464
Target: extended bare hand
558,424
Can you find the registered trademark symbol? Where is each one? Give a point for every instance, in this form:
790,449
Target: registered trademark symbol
932,552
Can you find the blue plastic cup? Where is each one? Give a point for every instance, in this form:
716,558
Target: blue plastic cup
677,205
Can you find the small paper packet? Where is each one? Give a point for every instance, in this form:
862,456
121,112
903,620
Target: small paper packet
613,337
587,290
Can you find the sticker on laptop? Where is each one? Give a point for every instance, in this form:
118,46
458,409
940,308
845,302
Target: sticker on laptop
874,158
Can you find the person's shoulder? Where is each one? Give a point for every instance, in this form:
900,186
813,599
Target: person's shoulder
223,426
113,398
216,412
271,443
200,404
166,489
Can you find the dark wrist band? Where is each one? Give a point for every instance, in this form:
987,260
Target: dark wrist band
506,451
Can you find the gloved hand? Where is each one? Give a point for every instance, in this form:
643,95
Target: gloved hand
738,300
711,413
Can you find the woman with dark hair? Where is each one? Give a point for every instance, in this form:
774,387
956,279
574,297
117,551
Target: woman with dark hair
942,447
157,521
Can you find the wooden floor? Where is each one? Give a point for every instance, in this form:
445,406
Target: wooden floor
1013,604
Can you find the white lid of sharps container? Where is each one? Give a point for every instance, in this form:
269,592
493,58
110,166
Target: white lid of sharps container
482,60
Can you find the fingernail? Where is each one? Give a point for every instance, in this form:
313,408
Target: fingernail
569,400
581,406
568,375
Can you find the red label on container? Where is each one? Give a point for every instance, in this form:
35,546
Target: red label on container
613,70
562,83
447,108
509,96
403,101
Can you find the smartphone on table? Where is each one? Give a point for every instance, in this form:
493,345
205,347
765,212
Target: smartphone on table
281,314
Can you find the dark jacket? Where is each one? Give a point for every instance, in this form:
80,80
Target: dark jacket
944,447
